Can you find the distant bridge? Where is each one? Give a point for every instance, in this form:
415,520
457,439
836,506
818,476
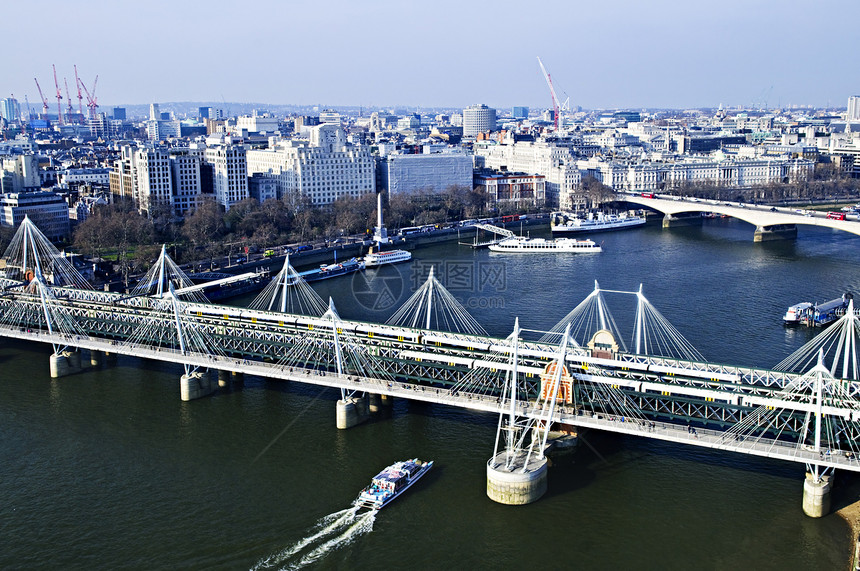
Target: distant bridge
771,222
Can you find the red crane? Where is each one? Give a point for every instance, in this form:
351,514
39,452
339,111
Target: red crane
44,99
69,108
80,97
59,96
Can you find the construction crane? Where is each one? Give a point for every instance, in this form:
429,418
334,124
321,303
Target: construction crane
69,108
555,105
92,100
80,97
44,99
59,97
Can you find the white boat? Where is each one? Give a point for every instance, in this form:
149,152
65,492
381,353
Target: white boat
391,482
564,223
519,244
374,259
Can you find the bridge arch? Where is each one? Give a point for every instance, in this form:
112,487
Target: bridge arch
771,222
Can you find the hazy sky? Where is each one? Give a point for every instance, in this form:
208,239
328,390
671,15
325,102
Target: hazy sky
601,54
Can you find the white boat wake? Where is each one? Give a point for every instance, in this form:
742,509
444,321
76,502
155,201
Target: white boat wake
329,533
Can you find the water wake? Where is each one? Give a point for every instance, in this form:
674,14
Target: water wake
329,533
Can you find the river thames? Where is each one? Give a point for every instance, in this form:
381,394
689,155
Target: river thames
108,469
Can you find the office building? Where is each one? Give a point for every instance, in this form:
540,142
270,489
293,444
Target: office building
229,171
48,211
436,172
478,119
853,108
520,112
324,169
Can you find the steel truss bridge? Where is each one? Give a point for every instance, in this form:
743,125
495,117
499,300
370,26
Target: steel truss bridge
577,375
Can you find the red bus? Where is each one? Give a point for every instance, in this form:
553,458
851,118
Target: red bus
648,195
836,215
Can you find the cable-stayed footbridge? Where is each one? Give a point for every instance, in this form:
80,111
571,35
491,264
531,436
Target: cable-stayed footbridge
580,374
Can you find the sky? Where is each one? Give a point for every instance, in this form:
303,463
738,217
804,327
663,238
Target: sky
605,54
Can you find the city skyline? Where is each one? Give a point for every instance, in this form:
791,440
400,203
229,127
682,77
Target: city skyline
617,54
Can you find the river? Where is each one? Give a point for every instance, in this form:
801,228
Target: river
109,469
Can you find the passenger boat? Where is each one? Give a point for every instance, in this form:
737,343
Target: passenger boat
817,315
519,244
564,223
374,259
333,270
391,482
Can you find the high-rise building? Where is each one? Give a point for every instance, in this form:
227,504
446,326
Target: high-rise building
119,113
185,175
229,171
9,109
478,119
520,112
154,183
853,108
154,112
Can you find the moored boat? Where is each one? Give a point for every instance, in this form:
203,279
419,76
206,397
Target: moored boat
817,315
374,259
326,271
522,245
563,223
391,482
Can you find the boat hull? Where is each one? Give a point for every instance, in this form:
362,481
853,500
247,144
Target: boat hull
376,500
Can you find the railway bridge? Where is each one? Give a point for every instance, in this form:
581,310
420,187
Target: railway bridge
579,375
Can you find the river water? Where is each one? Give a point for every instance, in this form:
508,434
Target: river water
108,469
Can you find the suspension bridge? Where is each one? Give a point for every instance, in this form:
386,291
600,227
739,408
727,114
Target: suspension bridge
579,375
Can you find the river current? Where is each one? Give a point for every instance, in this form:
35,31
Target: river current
108,469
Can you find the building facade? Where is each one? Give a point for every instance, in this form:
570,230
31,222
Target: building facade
516,187
46,209
399,174
323,170
478,119
229,172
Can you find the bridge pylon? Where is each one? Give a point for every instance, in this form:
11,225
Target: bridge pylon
517,473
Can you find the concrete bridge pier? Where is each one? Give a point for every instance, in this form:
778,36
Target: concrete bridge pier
682,219
518,484
223,379
351,412
195,385
96,357
816,496
65,363
376,402
775,232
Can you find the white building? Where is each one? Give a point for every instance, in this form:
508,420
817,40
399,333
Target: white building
555,163
71,177
257,123
853,108
478,119
185,179
47,210
19,173
154,183
229,172
323,169
435,172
